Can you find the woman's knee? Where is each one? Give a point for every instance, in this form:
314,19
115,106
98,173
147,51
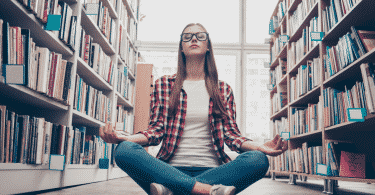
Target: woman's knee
126,149
259,159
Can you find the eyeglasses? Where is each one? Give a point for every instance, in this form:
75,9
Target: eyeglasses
201,36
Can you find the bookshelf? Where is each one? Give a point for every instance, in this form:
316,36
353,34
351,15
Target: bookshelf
24,100
316,132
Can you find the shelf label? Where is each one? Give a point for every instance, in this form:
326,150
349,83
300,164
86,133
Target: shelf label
266,65
270,87
103,163
14,74
57,162
356,114
321,169
285,135
92,8
283,38
53,22
316,36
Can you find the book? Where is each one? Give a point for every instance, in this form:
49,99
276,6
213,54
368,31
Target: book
352,165
3,121
367,37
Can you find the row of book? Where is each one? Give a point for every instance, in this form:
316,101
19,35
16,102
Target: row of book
368,77
300,160
123,80
299,15
91,101
123,15
45,71
335,11
42,8
94,149
298,49
278,73
123,44
307,78
124,120
93,54
336,103
281,125
305,119
340,160
276,47
101,18
349,48
31,140
279,99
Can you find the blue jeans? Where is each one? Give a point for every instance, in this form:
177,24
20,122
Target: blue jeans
145,169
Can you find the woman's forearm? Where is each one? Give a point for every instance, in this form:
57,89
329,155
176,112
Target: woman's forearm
249,146
137,138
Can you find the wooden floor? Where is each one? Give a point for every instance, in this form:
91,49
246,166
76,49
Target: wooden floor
264,186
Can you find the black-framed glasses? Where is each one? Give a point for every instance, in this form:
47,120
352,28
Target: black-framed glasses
201,36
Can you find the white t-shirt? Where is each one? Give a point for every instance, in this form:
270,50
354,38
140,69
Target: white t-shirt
196,146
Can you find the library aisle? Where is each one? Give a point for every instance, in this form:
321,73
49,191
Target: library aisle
267,186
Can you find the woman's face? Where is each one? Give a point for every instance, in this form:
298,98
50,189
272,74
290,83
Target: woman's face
194,46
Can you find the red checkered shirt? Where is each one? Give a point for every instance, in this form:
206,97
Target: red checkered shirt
170,129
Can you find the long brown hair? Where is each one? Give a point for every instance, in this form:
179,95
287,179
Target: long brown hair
211,80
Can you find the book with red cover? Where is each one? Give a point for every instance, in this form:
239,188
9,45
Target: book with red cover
352,165
367,38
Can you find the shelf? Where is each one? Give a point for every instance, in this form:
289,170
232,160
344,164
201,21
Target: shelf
27,20
280,113
308,56
346,72
90,77
31,97
129,9
130,41
81,166
283,79
335,178
367,125
20,166
307,97
131,76
358,14
93,30
280,172
294,6
306,21
111,9
121,100
308,136
281,54
82,119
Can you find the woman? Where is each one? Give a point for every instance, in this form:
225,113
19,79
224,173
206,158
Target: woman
192,158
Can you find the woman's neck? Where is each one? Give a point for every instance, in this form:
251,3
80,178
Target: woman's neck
195,68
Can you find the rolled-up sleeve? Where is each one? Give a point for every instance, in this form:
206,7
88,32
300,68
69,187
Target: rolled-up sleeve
155,131
232,135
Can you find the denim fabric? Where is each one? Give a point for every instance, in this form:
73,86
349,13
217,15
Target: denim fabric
145,169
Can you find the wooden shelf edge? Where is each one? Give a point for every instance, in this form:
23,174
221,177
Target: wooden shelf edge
96,32
306,134
102,84
87,119
305,95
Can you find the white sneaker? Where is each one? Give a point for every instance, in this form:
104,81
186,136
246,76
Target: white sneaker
158,189
222,190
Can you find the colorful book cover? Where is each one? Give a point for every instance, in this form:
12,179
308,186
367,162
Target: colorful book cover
352,165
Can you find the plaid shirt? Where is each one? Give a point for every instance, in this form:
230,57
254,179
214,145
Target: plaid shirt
169,129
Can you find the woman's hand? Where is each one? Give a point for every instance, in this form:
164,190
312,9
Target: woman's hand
274,147
110,135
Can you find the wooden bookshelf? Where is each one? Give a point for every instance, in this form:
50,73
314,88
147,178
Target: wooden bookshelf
361,134
23,178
